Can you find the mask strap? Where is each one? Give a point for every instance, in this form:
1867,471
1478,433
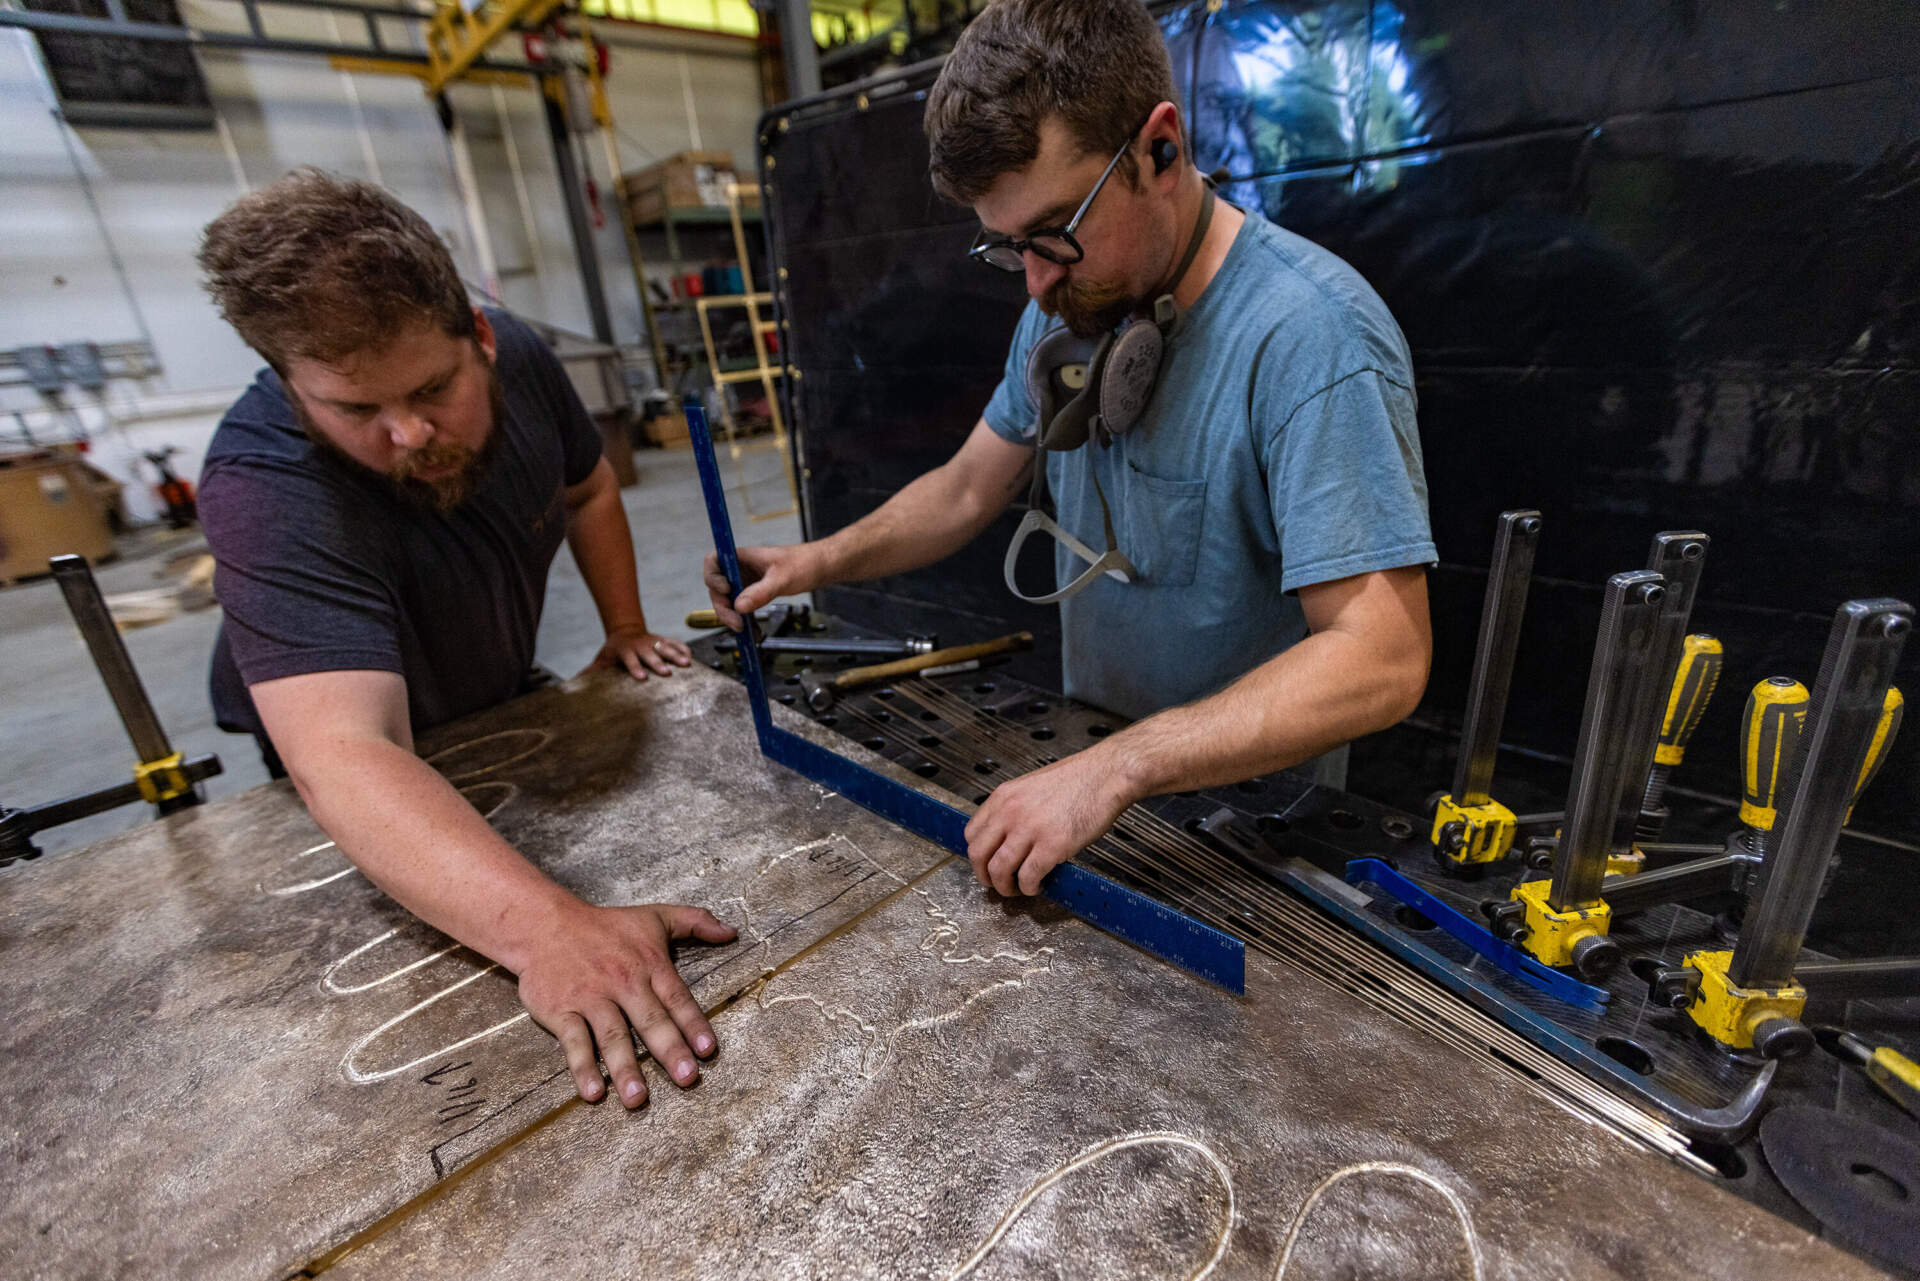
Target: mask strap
1111,562
1193,246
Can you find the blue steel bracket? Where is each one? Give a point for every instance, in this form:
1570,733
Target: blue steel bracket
1504,955
1151,926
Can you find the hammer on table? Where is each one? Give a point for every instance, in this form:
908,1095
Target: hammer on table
822,690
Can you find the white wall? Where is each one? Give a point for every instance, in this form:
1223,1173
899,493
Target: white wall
156,189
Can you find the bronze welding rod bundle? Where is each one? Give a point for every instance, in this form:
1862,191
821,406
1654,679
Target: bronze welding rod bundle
1232,898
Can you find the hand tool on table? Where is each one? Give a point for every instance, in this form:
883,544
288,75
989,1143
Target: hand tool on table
1563,921
1752,996
1694,681
165,778
1151,926
1470,828
1897,1075
777,619
773,619
823,689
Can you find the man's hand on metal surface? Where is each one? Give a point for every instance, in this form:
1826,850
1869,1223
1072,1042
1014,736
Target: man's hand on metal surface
603,974
1034,823
641,651
768,573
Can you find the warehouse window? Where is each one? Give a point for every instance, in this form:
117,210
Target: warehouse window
734,17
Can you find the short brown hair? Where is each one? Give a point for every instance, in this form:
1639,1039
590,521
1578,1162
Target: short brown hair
320,267
1100,65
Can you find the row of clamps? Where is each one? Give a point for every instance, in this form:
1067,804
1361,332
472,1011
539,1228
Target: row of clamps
1805,758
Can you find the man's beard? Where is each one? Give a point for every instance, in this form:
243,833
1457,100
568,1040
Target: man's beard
440,493
1089,307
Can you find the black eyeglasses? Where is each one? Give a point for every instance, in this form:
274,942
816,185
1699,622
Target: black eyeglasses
1055,244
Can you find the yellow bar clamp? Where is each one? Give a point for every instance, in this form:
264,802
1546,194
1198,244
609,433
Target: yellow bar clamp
1551,936
1729,1014
1484,833
1891,712
162,780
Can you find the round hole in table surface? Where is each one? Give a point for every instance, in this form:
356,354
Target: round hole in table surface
1409,919
980,800
1877,1182
985,687
829,719
1270,824
882,715
929,716
1043,733
1723,1157
792,680
1192,825
1629,1054
987,766
926,769
1345,820
1099,730
876,742
1039,706
883,694
784,698
929,740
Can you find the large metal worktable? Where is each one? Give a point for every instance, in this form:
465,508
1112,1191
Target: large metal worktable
228,1055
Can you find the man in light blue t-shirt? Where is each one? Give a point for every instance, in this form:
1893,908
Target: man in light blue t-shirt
1263,600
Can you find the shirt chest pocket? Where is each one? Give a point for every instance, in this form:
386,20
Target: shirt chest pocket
1161,526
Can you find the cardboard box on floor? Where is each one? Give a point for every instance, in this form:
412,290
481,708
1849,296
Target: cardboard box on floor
50,506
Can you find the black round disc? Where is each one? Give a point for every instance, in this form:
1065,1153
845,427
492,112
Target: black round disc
1860,1181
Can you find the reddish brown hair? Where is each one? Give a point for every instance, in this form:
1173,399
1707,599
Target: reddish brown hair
1100,65
320,267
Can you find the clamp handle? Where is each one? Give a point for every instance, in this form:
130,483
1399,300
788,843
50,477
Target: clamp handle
1769,731
1891,710
1701,658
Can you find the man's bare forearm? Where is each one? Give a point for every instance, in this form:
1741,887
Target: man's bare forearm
418,839
602,546
1320,693
930,519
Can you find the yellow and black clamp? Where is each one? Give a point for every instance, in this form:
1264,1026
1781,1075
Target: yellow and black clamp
1753,996
1470,828
1563,921
163,780
1694,681
1897,1075
1892,711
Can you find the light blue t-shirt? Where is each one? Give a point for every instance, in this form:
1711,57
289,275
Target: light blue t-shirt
1278,451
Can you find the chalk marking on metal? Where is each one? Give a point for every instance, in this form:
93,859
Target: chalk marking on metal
326,975
359,1077
437,760
1099,1151
1382,1167
942,939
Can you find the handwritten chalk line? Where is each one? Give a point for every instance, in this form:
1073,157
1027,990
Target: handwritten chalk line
359,1077
512,790
542,737
942,938
1100,1151
1382,1167
326,976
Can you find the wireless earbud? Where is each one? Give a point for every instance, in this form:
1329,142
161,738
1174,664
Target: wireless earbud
1164,154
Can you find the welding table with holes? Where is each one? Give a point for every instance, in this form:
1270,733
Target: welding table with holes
1286,816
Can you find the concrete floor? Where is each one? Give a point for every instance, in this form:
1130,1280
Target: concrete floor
62,735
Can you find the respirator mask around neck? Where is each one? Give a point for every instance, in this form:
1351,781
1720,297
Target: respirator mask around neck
1095,389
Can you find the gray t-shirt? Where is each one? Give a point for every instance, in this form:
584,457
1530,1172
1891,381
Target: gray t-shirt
1279,451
